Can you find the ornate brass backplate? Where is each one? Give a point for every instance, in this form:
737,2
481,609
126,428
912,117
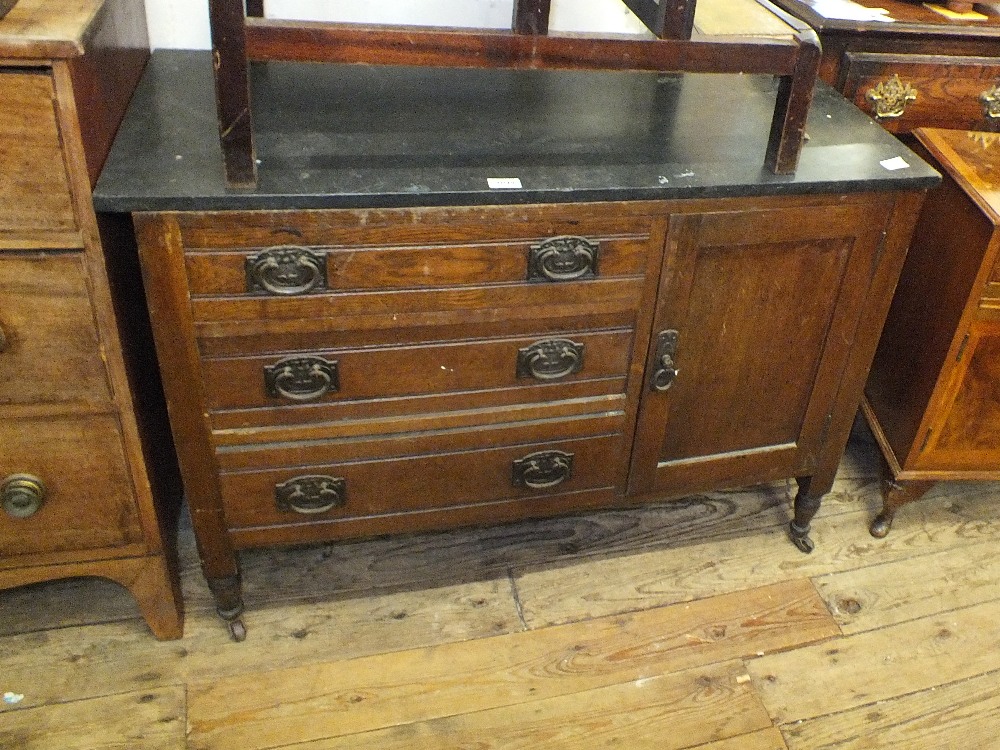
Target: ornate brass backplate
563,258
891,97
990,99
550,359
286,270
301,378
542,470
310,494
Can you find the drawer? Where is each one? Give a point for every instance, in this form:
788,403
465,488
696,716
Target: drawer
337,492
409,262
87,499
35,203
298,382
907,91
49,350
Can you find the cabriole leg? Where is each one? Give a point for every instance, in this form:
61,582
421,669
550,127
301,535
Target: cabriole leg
228,596
806,506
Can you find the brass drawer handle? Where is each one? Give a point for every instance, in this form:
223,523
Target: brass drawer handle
990,99
665,372
564,258
23,495
551,359
891,97
286,270
539,471
301,378
310,494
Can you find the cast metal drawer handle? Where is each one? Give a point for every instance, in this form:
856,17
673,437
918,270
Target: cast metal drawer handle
301,378
286,270
665,372
564,258
23,495
891,97
309,494
990,100
551,359
542,470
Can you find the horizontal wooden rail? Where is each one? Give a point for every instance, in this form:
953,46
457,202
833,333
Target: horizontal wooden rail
305,41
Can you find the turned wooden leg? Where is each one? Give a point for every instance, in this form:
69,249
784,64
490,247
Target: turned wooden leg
895,494
228,595
806,506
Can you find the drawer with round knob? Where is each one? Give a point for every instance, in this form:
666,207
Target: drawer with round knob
351,491
903,91
58,493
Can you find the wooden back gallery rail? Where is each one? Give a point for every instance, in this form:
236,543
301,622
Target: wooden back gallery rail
241,33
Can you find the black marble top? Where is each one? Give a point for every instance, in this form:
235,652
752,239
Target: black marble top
369,136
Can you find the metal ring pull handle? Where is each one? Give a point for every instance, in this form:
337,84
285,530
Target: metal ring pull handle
665,371
563,258
990,99
310,494
22,495
541,470
551,359
890,98
286,270
301,378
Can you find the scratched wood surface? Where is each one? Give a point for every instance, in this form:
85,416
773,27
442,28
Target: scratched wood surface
689,625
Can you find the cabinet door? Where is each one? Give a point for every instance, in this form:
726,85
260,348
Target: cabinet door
757,312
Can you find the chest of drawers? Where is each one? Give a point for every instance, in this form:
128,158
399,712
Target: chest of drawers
405,353
920,70
77,478
931,398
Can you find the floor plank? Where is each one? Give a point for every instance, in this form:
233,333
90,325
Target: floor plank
328,700
603,586
80,662
765,739
144,720
668,712
918,586
963,714
878,665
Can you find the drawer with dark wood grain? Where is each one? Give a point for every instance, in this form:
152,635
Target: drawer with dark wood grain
366,489
903,91
414,265
36,208
49,347
310,385
65,486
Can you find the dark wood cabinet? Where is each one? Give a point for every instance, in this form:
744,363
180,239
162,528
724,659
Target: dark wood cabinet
931,398
84,475
919,70
346,373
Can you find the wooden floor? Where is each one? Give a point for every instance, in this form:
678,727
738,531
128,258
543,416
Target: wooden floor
695,624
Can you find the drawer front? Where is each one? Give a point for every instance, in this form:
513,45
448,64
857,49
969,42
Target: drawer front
904,92
330,264
49,348
293,380
34,184
328,493
85,498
